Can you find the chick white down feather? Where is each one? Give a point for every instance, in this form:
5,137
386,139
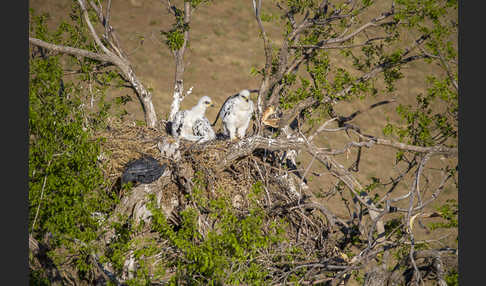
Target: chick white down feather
203,128
236,114
192,124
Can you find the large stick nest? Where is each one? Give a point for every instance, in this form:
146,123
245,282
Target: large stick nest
310,226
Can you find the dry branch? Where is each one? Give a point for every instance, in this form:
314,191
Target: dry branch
71,51
246,146
107,55
265,85
288,115
283,68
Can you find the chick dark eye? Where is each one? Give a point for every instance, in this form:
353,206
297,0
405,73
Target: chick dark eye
207,102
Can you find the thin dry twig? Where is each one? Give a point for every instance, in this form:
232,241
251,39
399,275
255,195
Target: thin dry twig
41,196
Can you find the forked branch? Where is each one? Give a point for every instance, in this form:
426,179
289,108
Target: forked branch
106,55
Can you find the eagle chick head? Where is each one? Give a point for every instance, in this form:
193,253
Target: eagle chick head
245,94
205,102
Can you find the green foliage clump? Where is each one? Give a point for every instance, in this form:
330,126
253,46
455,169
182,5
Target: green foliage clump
67,187
434,118
425,124
395,225
452,278
226,254
447,211
61,154
36,278
301,5
175,36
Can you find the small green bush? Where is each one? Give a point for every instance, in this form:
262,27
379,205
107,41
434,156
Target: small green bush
66,184
228,252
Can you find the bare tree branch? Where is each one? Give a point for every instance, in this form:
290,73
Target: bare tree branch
179,61
121,62
109,35
434,150
71,51
308,102
246,146
268,59
284,69
92,30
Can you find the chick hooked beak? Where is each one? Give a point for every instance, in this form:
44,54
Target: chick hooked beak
211,105
246,99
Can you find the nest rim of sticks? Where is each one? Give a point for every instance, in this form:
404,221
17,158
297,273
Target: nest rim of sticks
311,226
